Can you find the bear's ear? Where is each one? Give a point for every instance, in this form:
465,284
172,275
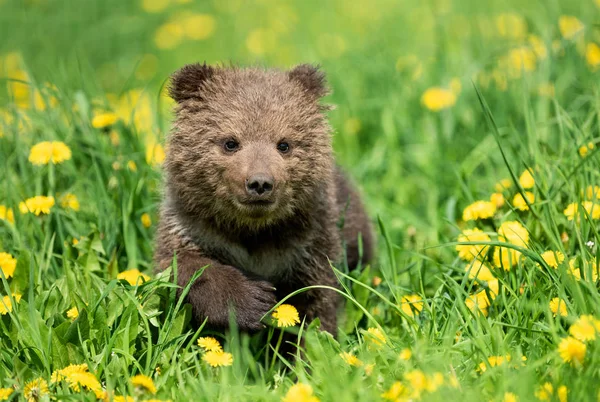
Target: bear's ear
186,82
311,78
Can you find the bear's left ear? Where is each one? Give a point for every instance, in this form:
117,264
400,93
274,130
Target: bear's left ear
311,78
186,83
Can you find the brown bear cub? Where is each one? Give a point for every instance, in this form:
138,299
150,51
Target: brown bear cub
253,194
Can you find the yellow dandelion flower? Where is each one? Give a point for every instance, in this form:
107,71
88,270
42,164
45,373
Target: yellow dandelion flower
584,329
562,393
592,55
478,302
511,25
591,209
417,380
435,381
132,166
437,99
35,390
155,154
572,350
469,252
5,393
375,337
209,344
85,379
8,264
480,270
591,192
261,41
146,220
286,315
538,46
154,6
62,374
350,359
49,151
520,59
7,214
510,397
411,304
6,304
397,392
103,120
37,205
70,201
198,26
544,392
168,36
493,361
513,232
558,307
369,369
300,392
519,202
505,258
502,185
218,359
497,199
569,26
143,381
405,354
73,313
133,276
526,179
553,258
119,398
585,149
479,210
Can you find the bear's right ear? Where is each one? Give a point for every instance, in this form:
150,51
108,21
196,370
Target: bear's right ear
186,82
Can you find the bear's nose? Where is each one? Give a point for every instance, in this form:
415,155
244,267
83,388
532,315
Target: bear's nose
259,184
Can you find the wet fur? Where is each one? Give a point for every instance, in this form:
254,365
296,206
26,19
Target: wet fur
253,257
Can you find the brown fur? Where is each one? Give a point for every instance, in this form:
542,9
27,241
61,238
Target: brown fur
258,248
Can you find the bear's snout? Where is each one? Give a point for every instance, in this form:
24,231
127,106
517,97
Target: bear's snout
259,185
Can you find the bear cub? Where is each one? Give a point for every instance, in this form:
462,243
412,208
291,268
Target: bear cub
253,194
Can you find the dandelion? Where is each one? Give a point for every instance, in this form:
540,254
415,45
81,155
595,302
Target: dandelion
168,36
300,392
154,6
37,205
146,220
592,55
133,276
218,359
103,120
585,149
513,232
479,270
405,354
411,304
132,166
376,337
511,25
46,152
417,381
5,393
569,26
584,329
493,361
7,214
553,258
120,398
73,313
558,307
592,192
520,203
469,252
572,350
350,359
435,381
478,302
35,390
544,392
6,304
85,379
437,99
145,382
562,393
198,26
497,199
70,201
8,264
286,315
526,179
510,397
209,344
397,392
503,185
505,258
591,209
479,210
155,154
538,46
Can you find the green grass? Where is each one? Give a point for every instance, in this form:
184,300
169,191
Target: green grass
418,169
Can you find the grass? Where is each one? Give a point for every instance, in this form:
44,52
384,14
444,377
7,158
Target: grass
523,104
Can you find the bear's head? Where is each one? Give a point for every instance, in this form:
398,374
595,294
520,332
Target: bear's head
250,147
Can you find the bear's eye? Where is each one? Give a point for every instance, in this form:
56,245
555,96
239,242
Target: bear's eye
231,145
283,147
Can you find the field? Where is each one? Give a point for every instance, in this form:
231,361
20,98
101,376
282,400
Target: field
471,127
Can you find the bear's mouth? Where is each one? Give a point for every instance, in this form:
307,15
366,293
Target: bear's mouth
258,203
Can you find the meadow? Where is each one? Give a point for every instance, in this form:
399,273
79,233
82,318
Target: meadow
471,127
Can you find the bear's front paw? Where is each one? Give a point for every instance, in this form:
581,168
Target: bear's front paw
254,300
